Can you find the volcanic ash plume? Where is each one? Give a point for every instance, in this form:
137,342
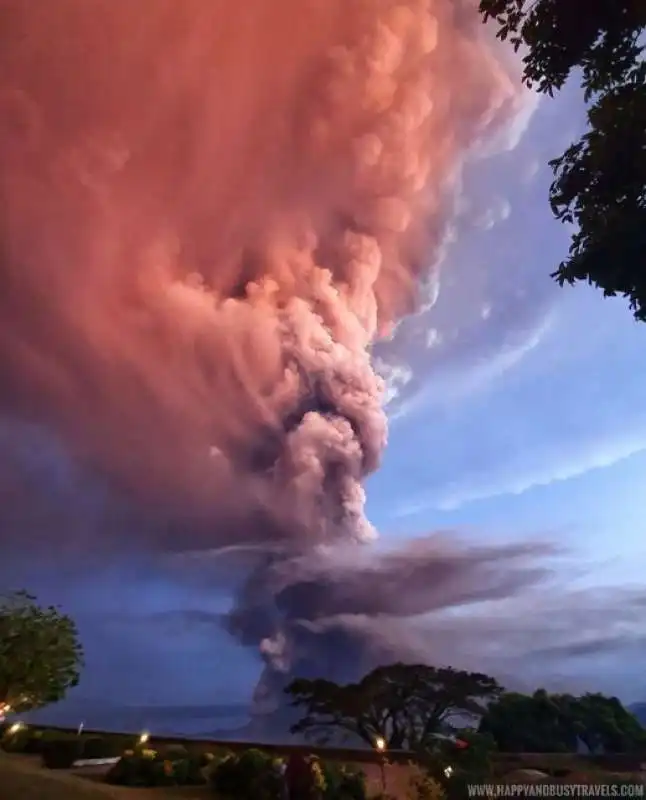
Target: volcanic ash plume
210,211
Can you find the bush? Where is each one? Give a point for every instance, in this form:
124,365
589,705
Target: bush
453,768
423,787
174,752
226,777
61,753
35,742
209,759
318,774
251,775
343,782
133,769
15,742
456,787
145,767
96,747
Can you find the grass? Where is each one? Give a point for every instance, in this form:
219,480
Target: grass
22,778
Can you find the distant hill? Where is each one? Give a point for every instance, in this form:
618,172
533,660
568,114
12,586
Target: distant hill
639,710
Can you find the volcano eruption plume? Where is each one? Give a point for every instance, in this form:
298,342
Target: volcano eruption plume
210,212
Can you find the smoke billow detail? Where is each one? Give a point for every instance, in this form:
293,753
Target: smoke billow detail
210,212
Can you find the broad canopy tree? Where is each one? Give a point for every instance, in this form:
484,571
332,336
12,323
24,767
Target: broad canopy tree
401,704
557,723
600,181
40,653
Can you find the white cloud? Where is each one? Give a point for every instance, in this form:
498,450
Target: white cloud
396,377
465,381
498,211
516,480
433,337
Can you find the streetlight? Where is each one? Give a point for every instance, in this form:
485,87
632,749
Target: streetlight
15,727
144,737
380,746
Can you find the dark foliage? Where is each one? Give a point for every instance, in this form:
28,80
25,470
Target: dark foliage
402,704
343,783
40,653
600,181
556,723
171,767
251,775
61,753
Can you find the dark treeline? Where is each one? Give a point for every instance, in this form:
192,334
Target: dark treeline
405,707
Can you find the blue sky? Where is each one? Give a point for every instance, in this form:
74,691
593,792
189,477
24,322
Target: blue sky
518,413
541,425
529,420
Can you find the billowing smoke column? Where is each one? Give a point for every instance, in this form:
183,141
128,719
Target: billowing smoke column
209,213
341,611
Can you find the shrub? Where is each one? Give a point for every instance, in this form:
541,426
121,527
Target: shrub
133,769
456,787
164,773
195,772
15,742
343,782
423,787
146,767
226,777
96,747
61,753
453,768
35,742
209,759
318,773
174,752
251,775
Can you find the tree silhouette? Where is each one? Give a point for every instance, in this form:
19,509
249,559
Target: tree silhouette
599,182
40,654
404,705
556,723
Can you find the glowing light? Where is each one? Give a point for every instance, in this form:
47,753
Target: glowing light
16,727
380,744
448,772
145,736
